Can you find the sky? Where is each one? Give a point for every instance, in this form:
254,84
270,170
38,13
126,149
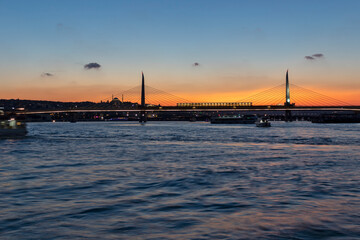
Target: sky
223,50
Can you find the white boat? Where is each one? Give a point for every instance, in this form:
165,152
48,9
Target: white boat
12,128
262,123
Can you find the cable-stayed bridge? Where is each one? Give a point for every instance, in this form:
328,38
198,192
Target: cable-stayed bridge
275,96
143,98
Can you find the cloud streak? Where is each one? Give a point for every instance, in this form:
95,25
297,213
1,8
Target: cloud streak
318,55
46,74
314,56
92,66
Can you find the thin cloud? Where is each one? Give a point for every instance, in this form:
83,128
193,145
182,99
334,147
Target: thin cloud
314,56
318,55
63,28
59,25
46,74
92,66
196,64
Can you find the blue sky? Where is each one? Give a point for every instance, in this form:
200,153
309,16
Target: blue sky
239,45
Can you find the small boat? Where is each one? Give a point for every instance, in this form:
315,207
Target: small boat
261,122
237,119
12,128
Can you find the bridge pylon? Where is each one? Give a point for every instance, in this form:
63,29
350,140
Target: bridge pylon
288,104
142,118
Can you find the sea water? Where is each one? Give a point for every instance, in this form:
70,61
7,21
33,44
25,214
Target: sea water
181,180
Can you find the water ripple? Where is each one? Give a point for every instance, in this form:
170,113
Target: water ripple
171,180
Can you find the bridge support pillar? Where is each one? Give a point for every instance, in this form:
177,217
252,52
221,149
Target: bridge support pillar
72,117
288,116
142,118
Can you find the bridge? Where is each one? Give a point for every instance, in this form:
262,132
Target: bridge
285,98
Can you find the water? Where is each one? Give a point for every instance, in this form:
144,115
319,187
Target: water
179,180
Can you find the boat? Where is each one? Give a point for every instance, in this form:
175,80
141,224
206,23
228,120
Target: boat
235,119
12,128
261,122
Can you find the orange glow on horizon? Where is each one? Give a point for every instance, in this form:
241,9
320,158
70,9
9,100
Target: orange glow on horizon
104,93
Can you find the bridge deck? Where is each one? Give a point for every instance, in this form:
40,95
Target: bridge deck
177,109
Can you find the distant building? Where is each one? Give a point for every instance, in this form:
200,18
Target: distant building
115,101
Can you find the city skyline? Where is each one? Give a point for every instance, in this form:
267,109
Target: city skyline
218,51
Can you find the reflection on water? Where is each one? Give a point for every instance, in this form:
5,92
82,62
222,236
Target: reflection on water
176,180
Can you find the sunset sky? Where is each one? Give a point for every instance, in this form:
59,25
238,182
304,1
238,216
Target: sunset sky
199,49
